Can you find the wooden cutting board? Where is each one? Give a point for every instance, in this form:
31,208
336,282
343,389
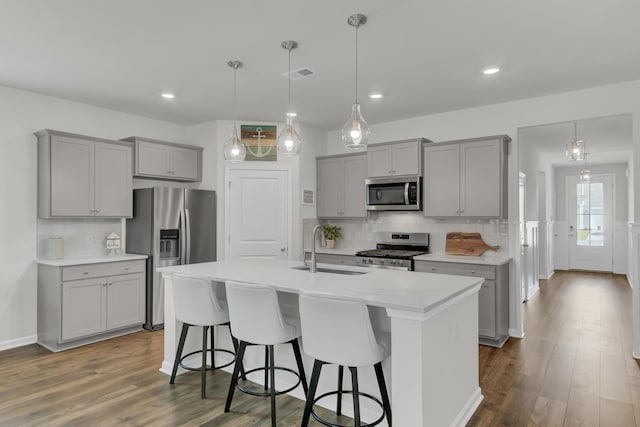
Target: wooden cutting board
466,244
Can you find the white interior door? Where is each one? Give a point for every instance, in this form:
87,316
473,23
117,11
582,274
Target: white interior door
258,215
525,266
590,221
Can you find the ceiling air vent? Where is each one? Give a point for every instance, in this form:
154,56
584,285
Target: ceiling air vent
298,74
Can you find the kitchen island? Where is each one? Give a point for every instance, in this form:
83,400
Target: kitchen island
433,320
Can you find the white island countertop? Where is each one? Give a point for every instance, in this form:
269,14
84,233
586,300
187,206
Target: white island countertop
391,289
65,262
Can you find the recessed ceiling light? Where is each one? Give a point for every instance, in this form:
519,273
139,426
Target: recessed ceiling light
167,95
488,71
292,114
375,95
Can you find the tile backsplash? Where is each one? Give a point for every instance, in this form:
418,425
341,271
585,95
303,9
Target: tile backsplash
82,237
363,234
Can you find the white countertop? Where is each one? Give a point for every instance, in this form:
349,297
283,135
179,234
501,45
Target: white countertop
485,259
65,262
395,289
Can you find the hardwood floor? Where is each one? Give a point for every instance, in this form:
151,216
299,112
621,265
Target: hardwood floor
574,368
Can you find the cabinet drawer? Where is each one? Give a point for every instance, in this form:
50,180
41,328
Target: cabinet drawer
103,269
458,269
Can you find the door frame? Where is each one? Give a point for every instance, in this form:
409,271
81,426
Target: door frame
261,168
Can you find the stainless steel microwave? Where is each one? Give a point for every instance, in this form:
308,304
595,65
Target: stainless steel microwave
394,193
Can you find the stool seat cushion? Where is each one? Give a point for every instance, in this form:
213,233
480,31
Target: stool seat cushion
254,311
196,301
338,330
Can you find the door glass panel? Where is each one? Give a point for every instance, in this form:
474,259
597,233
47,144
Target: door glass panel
590,214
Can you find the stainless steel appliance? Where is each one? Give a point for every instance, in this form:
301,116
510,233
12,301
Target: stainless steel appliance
172,226
395,251
398,193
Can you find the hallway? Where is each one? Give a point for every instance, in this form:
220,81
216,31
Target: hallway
574,366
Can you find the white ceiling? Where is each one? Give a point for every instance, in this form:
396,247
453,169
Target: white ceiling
424,56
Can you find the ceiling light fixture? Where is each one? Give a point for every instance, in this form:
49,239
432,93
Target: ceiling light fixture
585,174
488,71
375,95
355,133
234,150
289,141
167,95
574,150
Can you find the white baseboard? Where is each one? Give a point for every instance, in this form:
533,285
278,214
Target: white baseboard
18,342
629,280
515,333
533,290
469,409
547,276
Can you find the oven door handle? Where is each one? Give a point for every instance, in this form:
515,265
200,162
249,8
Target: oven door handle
406,193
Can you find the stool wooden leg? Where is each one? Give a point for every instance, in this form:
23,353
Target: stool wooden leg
234,377
183,336
339,402
203,368
356,396
272,370
383,391
313,386
303,377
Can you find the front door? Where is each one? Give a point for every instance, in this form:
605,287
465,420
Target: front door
259,214
590,220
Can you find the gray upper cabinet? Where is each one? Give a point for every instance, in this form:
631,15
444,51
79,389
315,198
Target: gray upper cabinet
395,158
340,183
81,176
466,178
166,160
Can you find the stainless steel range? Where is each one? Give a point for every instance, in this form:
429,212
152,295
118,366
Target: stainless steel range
395,251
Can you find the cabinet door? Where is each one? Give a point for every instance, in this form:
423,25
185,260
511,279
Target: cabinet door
481,174
125,300
487,309
152,159
379,160
71,177
113,177
183,163
83,307
441,180
355,172
406,158
330,187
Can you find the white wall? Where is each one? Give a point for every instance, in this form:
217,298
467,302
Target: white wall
21,114
507,118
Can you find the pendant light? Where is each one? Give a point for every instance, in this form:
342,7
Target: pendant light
289,142
575,149
234,150
585,174
355,133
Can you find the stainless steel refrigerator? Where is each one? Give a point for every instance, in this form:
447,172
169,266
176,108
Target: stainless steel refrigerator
172,226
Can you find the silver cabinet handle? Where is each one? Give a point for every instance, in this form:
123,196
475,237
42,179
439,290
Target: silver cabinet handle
283,249
473,272
433,269
127,268
85,272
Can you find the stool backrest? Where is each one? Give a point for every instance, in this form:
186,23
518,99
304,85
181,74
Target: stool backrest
196,302
338,330
255,314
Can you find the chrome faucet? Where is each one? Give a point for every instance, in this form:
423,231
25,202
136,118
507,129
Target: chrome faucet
313,267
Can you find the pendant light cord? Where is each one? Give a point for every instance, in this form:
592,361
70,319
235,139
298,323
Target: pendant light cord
289,101
235,111
356,64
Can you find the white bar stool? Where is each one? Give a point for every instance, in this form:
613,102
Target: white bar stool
256,319
338,331
196,304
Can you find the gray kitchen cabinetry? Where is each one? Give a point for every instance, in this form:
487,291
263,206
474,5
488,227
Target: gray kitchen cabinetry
395,158
340,181
166,160
87,303
493,298
81,176
466,178
331,258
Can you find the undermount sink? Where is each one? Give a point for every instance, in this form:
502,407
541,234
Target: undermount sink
330,270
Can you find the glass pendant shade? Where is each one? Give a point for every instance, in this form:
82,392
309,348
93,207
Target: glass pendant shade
289,141
575,150
234,150
585,176
355,132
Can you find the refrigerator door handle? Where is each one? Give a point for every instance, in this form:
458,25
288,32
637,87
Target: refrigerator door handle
183,238
188,236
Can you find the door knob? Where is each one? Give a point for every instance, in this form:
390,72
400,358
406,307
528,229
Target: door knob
283,249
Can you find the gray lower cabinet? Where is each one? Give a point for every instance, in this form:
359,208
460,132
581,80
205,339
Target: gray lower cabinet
87,303
166,160
82,176
340,184
493,298
332,258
